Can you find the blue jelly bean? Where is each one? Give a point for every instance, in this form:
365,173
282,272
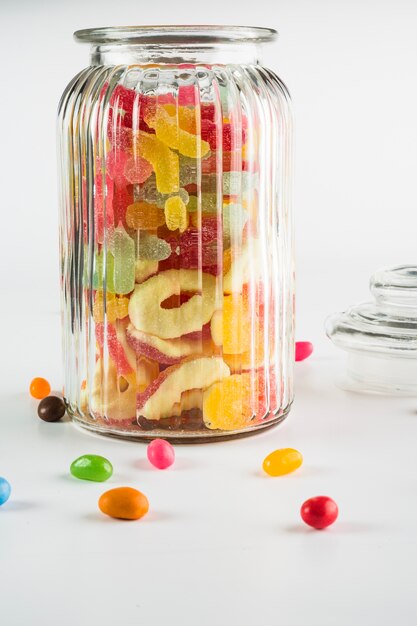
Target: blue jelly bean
5,490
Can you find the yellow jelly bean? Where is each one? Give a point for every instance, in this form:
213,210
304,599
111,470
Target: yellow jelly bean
283,461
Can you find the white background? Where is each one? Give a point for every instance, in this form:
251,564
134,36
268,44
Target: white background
222,544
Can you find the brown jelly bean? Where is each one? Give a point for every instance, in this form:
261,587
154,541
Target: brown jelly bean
51,409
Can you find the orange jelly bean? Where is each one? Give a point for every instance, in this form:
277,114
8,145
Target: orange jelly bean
283,461
39,388
124,503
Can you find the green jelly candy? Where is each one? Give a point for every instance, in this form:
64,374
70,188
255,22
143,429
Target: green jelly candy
152,248
150,194
124,261
208,203
91,467
234,219
98,274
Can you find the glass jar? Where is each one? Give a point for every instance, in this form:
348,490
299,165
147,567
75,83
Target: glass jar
176,234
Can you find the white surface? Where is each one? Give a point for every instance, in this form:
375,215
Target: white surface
222,544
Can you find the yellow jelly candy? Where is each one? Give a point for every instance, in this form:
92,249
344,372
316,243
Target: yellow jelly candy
186,117
169,131
283,461
143,215
232,326
176,214
116,307
164,161
227,404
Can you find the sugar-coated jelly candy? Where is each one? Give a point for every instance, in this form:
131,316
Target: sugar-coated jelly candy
124,261
98,273
160,453
92,467
282,461
164,161
5,490
319,512
137,169
176,214
124,503
303,349
168,130
149,193
227,404
116,307
51,409
39,388
152,248
141,215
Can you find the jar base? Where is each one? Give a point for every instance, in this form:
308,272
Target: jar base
179,436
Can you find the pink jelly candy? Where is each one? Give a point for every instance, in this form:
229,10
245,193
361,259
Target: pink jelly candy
160,453
303,349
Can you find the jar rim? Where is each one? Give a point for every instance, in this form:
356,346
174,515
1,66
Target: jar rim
176,34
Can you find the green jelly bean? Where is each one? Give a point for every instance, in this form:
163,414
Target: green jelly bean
91,467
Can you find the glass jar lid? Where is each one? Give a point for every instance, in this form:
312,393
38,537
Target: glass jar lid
380,336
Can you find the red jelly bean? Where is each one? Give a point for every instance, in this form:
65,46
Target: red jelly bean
303,349
160,453
319,512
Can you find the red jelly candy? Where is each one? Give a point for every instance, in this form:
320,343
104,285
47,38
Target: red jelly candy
319,512
122,198
303,349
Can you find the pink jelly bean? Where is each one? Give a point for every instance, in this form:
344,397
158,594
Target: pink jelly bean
303,349
160,453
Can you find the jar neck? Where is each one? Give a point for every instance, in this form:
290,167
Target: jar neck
140,54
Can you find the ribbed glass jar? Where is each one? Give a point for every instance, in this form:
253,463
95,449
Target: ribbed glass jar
176,234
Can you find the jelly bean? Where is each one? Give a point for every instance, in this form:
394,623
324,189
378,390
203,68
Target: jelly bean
92,467
124,503
176,214
39,388
51,409
124,261
303,349
283,461
160,453
5,490
319,512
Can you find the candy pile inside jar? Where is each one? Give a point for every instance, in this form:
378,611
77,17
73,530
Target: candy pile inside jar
172,278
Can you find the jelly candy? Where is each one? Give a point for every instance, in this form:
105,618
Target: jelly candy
103,205
122,198
283,461
160,453
234,220
303,349
147,314
5,490
319,512
116,307
226,404
39,388
232,328
196,247
144,269
168,131
151,248
115,165
166,390
51,409
141,215
164,161
98,274
176,214
119,350
209,203
92,467
186,117
149,193
124,503
137,169
113,396
124,261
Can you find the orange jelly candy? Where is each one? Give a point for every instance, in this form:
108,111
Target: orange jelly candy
143,215
227,404
39,388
